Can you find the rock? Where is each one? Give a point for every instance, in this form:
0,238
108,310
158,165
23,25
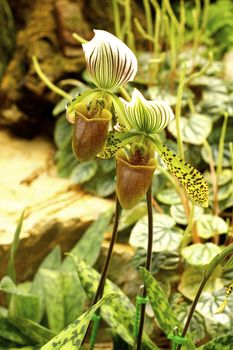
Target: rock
56,211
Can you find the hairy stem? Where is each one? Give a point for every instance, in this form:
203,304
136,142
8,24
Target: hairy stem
148,261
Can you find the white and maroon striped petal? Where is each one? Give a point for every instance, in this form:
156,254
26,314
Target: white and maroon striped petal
110,62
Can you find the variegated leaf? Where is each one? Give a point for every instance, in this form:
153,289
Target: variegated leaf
120,313
72,336
221,343
191,178
158,300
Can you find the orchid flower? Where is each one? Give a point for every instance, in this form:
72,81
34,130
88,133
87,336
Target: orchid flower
110,64
140,121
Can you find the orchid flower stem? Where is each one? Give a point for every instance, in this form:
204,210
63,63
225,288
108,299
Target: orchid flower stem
148,262
100,289
47,82
221,144
178,112
209,269
124,94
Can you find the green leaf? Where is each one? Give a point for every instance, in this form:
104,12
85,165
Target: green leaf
191,279
9,332
120,313
37,333
13,249
131,216
53,289
194,129
208,305
160,305
210,225
72,336
63,132
102,186
199,254
179,215
165,235
83,172
223,342
66,162
169,196
226,155
88,247
224,177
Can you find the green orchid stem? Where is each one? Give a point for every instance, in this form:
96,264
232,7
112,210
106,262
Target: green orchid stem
209,269
148,262
47,82
178,113
221,144
100,289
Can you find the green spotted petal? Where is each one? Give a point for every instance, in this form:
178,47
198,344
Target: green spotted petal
146,116
191,178
110,62
114,142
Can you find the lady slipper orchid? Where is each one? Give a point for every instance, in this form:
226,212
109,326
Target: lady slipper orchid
148,118
110,62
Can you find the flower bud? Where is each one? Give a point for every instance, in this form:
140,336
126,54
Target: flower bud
134,175
90,130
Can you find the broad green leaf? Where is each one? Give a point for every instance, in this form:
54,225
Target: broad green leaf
208,305
190,178
53,292
224,177
8,286
63,132
194,129
191,280
226,155
179,215
210,225
199,254
101,185
72,336
9,332
37,333
160,305
52,262
107,165
131,216
224,192
169,196
83,172
197,328
13,249
223,342
165,235
66,162
120,313
88,247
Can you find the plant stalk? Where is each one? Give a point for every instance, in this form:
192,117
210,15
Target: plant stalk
100,289
148,261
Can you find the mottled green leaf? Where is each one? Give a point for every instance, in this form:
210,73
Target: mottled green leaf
194,129
83,172
210,225
63,132
223,342
53,289
101,185
37,333
88,247
120,313
72,336
224,177
13,249
215,149
160,305
199,253
165,235
178,213
9,332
